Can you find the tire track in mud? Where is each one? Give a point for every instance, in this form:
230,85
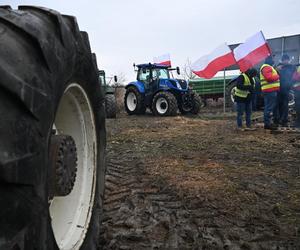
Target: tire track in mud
144,213
139,213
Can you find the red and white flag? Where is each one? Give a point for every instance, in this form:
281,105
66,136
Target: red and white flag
164,60
254,50
208,65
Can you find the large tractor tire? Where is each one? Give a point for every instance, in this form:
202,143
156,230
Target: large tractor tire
52,133
134,101
164,104
110,106
229,96
197,104
194,107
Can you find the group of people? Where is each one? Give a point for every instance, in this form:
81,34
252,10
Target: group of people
275,84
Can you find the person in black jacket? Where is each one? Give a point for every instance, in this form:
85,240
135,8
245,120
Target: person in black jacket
286,71
243,97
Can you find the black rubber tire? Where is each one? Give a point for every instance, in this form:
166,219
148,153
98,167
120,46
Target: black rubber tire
229,102
41,53
171,100
195,107
203,102
291,99
140,105
110,106
197,103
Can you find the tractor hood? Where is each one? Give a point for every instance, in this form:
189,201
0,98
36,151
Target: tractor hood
175,83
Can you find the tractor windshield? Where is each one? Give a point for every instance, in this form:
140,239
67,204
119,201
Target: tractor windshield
102,79
160,74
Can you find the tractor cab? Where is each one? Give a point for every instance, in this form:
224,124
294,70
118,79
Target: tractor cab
155,77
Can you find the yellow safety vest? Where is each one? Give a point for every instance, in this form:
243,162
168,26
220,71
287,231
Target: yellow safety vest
268,86
243,93
296,85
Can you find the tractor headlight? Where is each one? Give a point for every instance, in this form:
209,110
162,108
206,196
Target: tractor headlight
178,85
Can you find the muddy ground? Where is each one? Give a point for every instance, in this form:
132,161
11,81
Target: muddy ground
196,183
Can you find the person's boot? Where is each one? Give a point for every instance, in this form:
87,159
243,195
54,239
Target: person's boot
271,127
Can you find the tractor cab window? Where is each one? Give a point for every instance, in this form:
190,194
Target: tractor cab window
160,74
102,79
144,75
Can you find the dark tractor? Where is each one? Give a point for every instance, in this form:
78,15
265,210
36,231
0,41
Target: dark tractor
163,95
110,99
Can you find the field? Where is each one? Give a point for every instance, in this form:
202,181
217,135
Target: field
196,183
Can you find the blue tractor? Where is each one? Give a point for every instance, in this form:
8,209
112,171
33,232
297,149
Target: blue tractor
157,90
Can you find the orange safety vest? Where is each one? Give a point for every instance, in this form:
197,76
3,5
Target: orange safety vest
268,86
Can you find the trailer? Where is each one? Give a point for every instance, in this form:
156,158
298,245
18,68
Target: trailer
212,88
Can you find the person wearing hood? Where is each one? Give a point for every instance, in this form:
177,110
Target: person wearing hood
270,85
243,96
286,71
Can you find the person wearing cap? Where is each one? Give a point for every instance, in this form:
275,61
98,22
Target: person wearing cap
270,85
243,95
286,71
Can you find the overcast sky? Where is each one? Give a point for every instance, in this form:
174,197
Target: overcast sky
126,31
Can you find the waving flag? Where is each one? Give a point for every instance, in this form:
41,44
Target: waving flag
163,60
253,51
208,65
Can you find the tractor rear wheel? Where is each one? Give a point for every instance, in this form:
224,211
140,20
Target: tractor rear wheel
52,133
110,106
134,101
164,104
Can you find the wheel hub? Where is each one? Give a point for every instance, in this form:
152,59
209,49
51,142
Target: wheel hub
63,157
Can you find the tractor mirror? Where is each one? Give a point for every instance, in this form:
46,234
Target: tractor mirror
178,70
115,79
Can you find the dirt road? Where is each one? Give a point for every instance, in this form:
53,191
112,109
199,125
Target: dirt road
194,183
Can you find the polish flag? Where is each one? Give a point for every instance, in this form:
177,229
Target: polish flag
208,65
253,51
163,60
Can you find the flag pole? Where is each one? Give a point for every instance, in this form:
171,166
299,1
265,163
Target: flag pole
224,94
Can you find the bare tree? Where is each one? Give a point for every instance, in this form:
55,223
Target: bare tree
121,79
187,70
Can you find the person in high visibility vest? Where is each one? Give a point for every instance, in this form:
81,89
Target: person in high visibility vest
243,97
270,86
286,71
296,88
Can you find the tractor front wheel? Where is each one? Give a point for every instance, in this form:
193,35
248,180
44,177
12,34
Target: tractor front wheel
197,103
193,106
134,102
164,104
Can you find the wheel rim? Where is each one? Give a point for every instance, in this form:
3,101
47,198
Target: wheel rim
162,105
71,214
232,94
291,98
131,101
